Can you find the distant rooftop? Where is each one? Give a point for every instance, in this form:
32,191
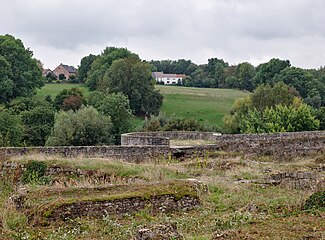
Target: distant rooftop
70,69
167,75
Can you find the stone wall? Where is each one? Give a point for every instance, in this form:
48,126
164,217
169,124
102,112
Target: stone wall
298,180
139,147
280,145
143,139
134,154
164,203
63,175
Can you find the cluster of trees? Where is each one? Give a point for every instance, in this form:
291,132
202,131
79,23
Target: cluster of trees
272,109
285,98
64,122
20,73
117,70
309,83
121,85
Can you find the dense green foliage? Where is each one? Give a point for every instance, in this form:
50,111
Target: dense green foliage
36,117
69,99
316,201
19,73
85,66
271,109
38,123
119,70
280,118
132,77
116,106
84,127
11,130
309,84
102,64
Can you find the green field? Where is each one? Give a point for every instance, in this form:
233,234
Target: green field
54,89
205,105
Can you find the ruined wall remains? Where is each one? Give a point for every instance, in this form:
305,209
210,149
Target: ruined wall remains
143,139
139,147
280,145
164,203
298,180
134,154
58,174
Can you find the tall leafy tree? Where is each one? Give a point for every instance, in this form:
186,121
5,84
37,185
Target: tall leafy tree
85,66
265,96
11,130
132,77
310,88
19,72
266,71
38,123
245,73
102,63
69,99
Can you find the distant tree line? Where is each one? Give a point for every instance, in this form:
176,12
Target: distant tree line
284,98
121,85
309,83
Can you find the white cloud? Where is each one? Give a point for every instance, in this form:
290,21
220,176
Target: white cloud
235,30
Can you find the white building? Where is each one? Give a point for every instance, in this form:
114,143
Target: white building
168,79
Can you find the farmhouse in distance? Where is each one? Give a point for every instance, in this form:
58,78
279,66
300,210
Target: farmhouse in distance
168,79
61,72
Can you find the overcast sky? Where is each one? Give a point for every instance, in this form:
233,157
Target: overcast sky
235,30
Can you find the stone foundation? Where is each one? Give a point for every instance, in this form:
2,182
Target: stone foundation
139,147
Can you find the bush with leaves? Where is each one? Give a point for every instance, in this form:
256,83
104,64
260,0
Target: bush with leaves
117,107
37,118
38,123
69,99
11,130
84,127
279,119
265,96
35,173
316,201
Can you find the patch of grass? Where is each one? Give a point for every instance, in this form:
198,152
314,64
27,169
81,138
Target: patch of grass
206,105
237,210
54,89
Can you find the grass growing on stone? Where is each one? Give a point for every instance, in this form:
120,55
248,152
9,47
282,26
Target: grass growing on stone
146,171
232,208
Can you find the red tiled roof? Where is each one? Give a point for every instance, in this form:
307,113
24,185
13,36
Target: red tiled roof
166,75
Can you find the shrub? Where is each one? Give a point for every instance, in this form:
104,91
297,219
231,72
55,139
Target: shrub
85,127
316,201
35,173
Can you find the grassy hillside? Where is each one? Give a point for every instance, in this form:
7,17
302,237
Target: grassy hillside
54,89
206,105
